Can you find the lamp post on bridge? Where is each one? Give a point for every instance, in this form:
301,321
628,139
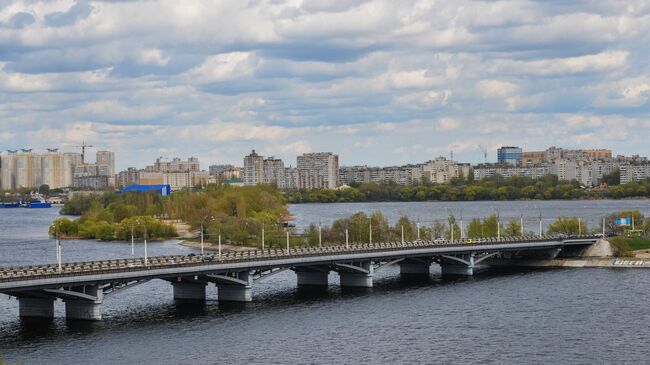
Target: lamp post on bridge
132,242
498,226
58,250
202,223
579,226
144,225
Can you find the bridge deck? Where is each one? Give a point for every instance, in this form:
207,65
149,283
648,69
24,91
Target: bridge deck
135,265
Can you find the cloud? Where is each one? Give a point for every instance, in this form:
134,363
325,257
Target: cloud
152,57
496,88
369,79
448,124
21,20
561,66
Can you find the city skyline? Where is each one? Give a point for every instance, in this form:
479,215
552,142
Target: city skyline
410,79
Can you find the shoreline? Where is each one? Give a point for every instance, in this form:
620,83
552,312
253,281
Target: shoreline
587,262
484,200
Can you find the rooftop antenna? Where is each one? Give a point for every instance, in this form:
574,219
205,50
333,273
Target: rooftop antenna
452,155
484,153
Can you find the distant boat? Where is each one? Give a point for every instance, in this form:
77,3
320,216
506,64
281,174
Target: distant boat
37,204
9,205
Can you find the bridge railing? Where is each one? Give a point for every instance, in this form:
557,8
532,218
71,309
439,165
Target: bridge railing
134,265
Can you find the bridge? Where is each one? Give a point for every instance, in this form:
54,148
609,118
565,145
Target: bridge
83,286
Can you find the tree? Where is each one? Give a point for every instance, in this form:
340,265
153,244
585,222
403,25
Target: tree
380,227
475,228
410,229
567,225
44,189
613,178
490,226
438,230
452,227
513,228
311,235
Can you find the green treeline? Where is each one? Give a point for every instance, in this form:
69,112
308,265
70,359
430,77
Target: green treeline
359,226
493,188
236,212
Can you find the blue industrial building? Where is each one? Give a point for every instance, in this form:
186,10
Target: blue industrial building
162,189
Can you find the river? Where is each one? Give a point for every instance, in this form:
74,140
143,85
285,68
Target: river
561,316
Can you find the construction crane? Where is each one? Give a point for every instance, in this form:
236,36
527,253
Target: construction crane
83,150
484,153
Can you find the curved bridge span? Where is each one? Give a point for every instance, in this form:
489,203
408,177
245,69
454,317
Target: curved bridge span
83,286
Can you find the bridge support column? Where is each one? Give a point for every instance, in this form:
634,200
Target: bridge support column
457,265
413,267
240,290
36,307
312,277
189,291
357,275
85,309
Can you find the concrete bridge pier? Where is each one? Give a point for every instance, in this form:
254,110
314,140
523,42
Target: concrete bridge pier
356,274
235,287
189,290
457,265
414,267
36,307
84,303
312,277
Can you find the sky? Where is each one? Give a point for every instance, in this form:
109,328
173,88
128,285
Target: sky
378,82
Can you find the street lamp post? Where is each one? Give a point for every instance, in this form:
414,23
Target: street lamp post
202,223
58,250
219,244
146,259
132,241
498,226
287,241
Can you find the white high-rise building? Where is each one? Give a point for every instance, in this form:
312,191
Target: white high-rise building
253,169
273,172
318,170
27,169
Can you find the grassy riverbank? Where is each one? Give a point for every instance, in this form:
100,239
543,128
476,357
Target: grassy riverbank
625,246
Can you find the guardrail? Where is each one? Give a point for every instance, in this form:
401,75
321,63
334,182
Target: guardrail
84,268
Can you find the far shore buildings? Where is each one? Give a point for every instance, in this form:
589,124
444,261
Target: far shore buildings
312,171
179,174
586,166
439,170
27,169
